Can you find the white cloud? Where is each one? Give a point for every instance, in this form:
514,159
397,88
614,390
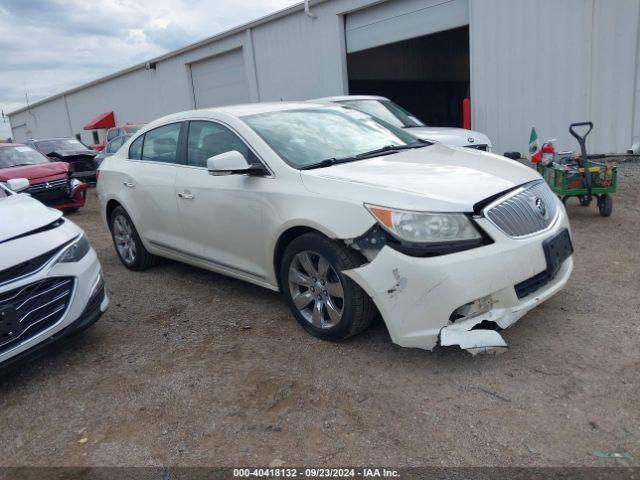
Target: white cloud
52,45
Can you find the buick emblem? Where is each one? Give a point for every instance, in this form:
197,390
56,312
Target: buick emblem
541,207
471,139
47,185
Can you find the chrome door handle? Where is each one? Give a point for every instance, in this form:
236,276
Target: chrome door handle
129,184
187,196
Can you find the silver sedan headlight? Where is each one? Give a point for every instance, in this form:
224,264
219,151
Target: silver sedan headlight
76,251
425,227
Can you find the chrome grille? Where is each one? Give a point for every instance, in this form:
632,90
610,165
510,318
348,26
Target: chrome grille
48,186
36,307
528,211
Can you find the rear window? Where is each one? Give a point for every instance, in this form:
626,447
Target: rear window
161,144
19,156
61,144
135,150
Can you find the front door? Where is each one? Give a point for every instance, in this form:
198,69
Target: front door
221,215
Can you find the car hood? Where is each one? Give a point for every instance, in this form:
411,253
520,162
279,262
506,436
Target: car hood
21,214
35,172
454,137
433,178
72,153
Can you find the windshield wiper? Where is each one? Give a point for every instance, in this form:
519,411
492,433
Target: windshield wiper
21,165
327,162
394,148
386,150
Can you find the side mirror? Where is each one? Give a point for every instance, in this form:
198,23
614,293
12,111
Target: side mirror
18,184
232,162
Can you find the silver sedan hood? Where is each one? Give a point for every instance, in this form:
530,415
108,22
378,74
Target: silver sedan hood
20,214
453,137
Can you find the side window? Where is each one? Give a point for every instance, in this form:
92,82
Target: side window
207,139
135,150
161,144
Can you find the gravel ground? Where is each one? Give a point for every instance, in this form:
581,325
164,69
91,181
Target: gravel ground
191,368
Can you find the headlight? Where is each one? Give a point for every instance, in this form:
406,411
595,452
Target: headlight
76,250
74,183
425,228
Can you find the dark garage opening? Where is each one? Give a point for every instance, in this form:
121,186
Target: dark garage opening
429,75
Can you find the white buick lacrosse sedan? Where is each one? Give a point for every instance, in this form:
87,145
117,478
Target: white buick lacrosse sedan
344,214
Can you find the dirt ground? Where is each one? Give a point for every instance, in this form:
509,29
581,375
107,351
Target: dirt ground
192,368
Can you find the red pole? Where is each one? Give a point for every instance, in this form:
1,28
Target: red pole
466,114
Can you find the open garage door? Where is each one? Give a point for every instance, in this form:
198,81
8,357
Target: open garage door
414,52
220,80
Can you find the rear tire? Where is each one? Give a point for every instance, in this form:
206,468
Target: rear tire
127,243
605,205
326,303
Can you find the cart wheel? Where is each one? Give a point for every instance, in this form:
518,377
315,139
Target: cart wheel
605,205
585,201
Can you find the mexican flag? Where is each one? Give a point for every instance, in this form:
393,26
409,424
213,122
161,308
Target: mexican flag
535,154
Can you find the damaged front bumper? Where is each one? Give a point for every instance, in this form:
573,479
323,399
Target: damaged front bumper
463,298
76,198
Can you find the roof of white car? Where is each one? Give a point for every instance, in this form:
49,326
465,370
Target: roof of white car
257,108
240,110
345,98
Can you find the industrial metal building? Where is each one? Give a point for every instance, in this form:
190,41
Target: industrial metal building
523,63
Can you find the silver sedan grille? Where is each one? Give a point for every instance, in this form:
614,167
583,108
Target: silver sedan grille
32,308
531,209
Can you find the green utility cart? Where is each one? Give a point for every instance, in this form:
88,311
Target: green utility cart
578,176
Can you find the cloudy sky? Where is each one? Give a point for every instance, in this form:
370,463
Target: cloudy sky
47,46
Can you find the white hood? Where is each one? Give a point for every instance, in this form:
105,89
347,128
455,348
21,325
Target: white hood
20,214
453,137
433,178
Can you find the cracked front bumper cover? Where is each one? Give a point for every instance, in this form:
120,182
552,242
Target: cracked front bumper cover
417,296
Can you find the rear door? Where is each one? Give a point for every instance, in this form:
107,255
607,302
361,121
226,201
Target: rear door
221,215
149,185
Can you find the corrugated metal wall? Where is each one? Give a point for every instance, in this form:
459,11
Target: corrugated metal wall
547,63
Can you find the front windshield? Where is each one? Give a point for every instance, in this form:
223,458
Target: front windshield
60,144
16,156
305,137
387,111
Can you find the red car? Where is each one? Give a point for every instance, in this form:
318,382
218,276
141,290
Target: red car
51,182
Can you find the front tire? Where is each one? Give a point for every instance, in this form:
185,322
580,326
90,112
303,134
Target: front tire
127,243
326,303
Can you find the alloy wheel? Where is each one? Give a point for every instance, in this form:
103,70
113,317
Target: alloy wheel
123,237
316,289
